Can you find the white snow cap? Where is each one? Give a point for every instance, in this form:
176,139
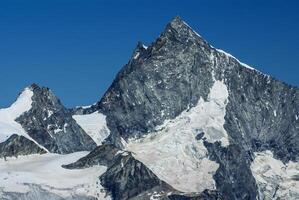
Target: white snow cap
8,125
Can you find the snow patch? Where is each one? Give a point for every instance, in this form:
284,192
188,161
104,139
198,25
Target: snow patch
50,113
94,125
145,47
275,179
173,153
46,171
137,55
274,113
58,130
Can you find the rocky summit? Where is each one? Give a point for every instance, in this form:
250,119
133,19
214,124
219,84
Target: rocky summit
182,120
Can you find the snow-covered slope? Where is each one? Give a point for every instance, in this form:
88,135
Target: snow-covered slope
8,125
275,179
18,175
175,155
94,125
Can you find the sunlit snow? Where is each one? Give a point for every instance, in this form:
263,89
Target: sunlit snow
275,179
173,153
8,125
46,171
94,125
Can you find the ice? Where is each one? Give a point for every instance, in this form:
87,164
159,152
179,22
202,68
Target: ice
275,179
46,171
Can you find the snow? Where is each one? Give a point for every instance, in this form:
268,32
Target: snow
274,178
274,113
145,47
136,56
8,125
173,153
94,125
50,113
46,171
231,56
58,130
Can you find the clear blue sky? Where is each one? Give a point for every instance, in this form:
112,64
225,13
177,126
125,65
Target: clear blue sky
77,47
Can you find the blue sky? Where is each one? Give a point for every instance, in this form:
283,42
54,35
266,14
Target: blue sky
77,47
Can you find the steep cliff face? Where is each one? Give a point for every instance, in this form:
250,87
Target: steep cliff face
128,177
51,125
17,145
159,82
176,75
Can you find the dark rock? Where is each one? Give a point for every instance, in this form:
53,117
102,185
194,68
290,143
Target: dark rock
127,178
102,155
199,136
205,195
51,125
17,145
234,171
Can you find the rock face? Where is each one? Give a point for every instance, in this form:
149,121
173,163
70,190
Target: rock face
102,155
51,125
159,82
17,145
173,74
128,177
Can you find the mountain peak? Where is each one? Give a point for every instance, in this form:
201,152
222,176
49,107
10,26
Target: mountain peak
178,30
34,85
177,20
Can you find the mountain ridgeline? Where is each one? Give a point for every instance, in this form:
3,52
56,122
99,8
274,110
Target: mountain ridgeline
185,121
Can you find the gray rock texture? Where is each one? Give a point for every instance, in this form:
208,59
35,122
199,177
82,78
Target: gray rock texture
102,155
127,178
17,145
179,68
205,195
51,125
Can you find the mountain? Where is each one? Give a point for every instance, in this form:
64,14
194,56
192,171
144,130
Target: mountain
38,119
181,120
